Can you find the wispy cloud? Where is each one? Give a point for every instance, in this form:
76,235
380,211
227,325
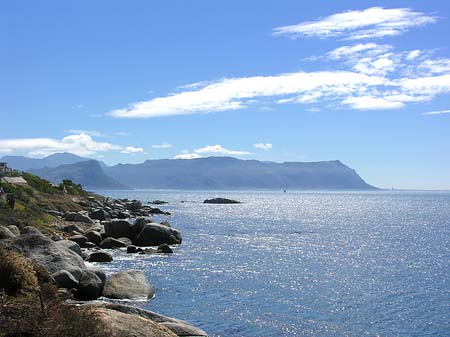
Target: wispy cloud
375,22
92,133
367,76
80,144
439,112
163,145
263,146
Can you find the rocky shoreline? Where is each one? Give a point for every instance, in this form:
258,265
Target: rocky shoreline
82,236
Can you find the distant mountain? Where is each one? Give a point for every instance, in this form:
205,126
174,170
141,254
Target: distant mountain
87,173
25,164
231,173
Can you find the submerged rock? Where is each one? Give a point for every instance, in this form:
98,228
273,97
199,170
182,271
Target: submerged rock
128,284
221,201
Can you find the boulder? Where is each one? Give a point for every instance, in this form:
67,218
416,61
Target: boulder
179,327
154,234
133,205
54,213
139,224
99,214
5,233
133,249
72,245
101,275
118,229
100,257
80,239
64,279
125,241
123,325
164,248
73,229
51,255
30,230
89,287
57,237
221,201
78,217
128,284
94,237
123,215
109,243
14,229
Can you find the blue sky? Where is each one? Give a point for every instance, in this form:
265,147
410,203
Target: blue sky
364,82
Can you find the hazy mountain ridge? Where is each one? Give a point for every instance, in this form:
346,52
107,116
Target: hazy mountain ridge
203,173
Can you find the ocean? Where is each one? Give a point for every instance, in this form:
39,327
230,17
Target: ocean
303,263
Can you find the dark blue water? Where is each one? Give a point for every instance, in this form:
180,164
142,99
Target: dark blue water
304,264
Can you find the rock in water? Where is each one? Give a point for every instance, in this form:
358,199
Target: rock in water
100,257
80,239
90,286
129,284
154,234
220,201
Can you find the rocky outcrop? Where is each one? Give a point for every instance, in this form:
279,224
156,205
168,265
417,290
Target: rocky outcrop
154,234
123,325
129,284
222,201
179,327
30,230
54,256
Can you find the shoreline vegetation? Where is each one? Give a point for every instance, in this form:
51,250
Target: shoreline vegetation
47,233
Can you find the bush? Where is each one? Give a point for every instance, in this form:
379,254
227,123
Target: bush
17,277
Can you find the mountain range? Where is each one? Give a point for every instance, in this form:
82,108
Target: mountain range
211,173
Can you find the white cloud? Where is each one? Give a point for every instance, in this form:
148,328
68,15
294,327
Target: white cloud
438,66
371,103
132,149
358,49
163,145
412,55
263,146
92,133
80,144
375,22
187,156
235,93
219,149
440,112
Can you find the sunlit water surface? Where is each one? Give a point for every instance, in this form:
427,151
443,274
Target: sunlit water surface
303,264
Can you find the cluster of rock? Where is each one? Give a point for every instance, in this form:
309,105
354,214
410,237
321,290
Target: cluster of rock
64,260
222,201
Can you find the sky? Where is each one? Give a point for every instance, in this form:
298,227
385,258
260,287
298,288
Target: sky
363,82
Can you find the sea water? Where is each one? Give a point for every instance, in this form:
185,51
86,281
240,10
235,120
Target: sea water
303,263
